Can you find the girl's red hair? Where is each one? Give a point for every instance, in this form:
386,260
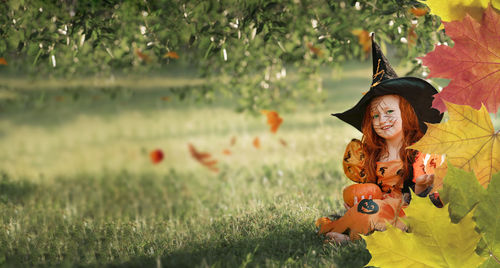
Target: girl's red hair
374,145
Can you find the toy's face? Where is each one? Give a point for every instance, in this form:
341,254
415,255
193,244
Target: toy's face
386,117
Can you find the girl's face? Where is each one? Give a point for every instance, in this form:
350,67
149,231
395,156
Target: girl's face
386,117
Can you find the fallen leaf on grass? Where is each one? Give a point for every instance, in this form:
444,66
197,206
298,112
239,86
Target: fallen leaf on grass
273,120
165,98
256,142
156,156
468,139
171,54
472,64
59,98
203,158
3,61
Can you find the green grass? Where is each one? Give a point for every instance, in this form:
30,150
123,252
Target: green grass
77,187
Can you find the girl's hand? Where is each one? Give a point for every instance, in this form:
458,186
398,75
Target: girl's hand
423,182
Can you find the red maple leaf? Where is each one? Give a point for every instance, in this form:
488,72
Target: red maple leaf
472,64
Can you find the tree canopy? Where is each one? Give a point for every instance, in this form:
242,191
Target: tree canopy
243,48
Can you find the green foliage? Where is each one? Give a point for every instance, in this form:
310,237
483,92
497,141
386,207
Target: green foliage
462,191
252,45
488,220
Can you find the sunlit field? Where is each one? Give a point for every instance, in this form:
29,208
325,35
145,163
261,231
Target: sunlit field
78,188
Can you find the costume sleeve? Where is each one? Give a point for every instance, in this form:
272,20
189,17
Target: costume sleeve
354,160
429,164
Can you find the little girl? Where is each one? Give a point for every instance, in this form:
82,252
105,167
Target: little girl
391,116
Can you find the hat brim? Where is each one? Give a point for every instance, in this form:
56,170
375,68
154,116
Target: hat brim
416,91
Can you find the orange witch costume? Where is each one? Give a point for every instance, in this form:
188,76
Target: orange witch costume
376,201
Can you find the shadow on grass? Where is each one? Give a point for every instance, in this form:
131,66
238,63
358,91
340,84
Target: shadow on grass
14,191
293,247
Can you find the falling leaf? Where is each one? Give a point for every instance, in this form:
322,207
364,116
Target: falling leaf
452,10
256,142
364,39
203,158
165,98
412,36
226,152
419,12
3,61
273,120
156,156
468,139
314,50
283,142
141,55
171,54
433,242
233,141
472,64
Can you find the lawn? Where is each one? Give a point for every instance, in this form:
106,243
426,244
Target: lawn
77,186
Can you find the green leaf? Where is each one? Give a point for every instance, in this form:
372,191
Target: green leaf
487,216
461,190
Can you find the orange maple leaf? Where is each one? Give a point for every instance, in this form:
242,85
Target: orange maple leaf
233,141
141,55
273,120
412,36
203,158
472,64
171,54
256,142
226,152
419,12
283,142
156,156
364,39
3,61
315,50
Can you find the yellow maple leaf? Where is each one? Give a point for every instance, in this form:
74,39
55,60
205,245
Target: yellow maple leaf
433,242
452,10
468,139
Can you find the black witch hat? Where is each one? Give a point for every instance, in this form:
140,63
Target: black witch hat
416,91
